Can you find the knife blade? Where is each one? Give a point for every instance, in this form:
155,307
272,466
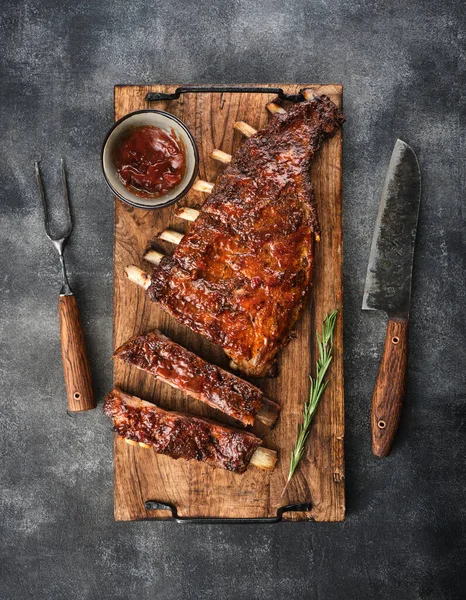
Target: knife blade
388,288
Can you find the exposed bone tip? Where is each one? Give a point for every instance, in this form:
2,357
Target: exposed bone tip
274,108
186,213
138,276
221,156
153,256
264,458
268,412
244,128
130,442
308,94
171,236
203,186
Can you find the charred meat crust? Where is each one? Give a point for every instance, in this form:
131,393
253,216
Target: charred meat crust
179,435
241,273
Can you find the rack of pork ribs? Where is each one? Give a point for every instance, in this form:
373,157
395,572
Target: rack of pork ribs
240,277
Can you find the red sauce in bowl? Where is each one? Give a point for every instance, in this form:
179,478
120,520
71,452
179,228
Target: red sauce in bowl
150,161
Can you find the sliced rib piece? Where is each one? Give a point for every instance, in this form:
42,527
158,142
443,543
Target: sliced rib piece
241,273
173,364
185,436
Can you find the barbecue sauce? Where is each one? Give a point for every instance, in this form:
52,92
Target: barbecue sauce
150,161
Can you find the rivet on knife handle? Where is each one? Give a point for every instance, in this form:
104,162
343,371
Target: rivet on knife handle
389,390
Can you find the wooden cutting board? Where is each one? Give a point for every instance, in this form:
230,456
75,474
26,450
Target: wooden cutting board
194,488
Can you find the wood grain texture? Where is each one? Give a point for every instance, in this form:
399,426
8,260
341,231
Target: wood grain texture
390,387
196,489
75,363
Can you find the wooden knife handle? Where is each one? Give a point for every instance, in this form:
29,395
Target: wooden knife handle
390,387
75,364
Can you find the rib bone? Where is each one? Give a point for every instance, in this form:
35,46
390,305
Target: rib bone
169,235
264,458
203,186
138,276
221,156
308,94
267,413
130,442
153,257
275,108
186,213
244,128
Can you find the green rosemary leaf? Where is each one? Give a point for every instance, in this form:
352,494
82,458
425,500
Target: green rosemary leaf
317,388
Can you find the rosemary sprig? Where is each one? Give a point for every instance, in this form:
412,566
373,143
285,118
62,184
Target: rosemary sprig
318,385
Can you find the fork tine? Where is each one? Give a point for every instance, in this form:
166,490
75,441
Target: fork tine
66,197
40,185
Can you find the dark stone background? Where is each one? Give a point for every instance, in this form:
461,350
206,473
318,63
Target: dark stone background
400,63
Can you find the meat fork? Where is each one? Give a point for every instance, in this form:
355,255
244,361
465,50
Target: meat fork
75,363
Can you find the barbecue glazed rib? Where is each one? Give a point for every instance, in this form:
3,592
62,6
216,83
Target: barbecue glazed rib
184,436
173,364
241,273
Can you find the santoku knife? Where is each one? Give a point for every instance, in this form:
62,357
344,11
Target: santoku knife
388,288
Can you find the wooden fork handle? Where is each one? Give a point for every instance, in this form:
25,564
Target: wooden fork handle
389,391
75,363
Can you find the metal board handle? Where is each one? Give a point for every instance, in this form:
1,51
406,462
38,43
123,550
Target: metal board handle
231,89
156,505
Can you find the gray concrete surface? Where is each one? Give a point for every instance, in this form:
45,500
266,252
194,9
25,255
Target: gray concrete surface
402,65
